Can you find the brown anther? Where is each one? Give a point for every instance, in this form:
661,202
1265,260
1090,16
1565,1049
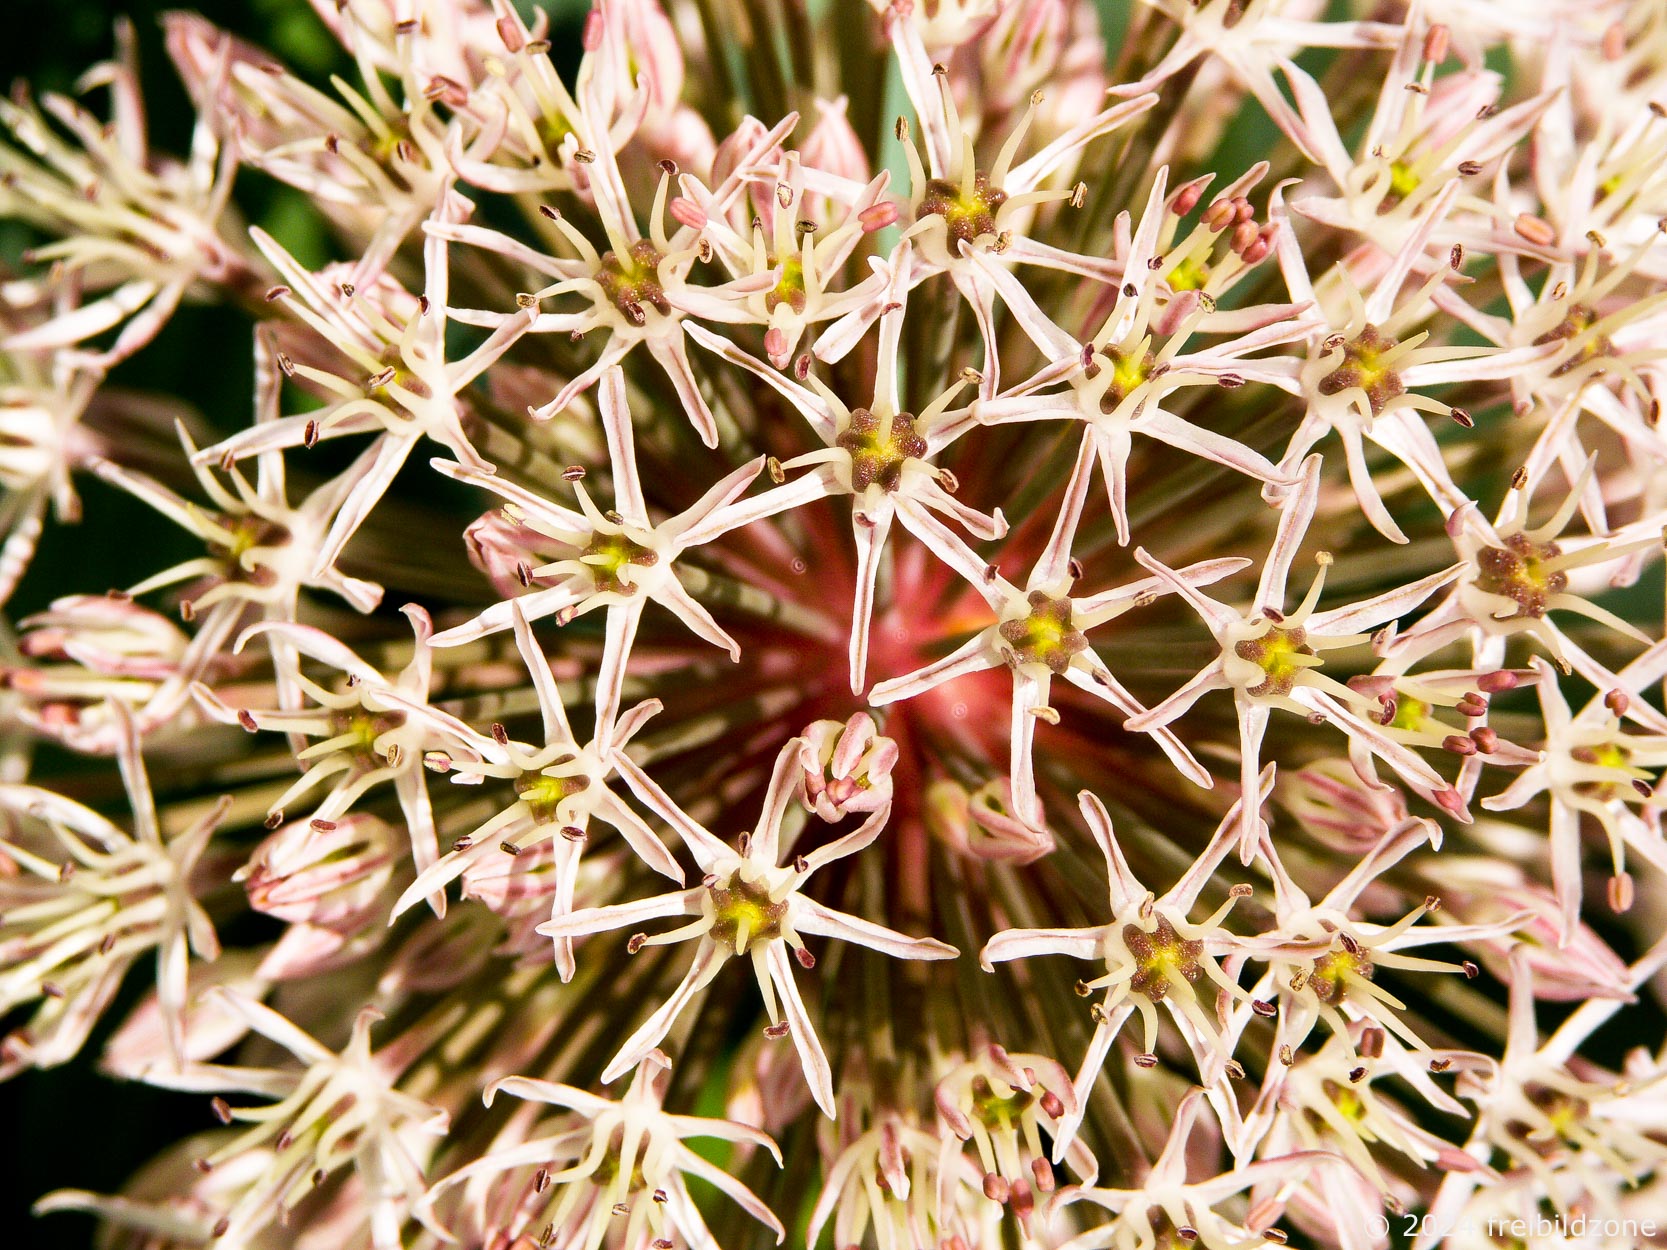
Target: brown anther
1470,970
573,833
1264,1008
806,960
1371,1043
635,943
274,818
775,1032
1357,1075
246,718
462,844
500,735
1440,1065
1469,169
996,1188
1146,1060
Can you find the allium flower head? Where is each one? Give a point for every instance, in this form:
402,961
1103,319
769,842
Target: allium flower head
1109,553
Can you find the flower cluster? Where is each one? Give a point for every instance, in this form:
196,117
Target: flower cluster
989,499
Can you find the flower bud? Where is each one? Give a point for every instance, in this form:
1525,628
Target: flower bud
832,146
111,637
1481,892
1333,803
981,823
847,768
325,873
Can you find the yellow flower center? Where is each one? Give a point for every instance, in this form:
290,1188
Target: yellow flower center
1045,635
1363,369
1277,654
1522,571
968,216
879,448
608,555
543,793
789,288
744,913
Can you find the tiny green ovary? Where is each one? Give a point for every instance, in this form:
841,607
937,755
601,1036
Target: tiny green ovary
1190,275
1045,635
632,281
968,216
363,728
609,555
1522,572
1277,654
1332,971
1129,372
1161,955
739,905
1402,183
789,288
544,794
877,454
1363,369
995,1111
1410,714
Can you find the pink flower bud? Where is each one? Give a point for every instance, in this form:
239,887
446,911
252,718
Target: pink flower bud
847,768
1331,800
981,824
111,637
737,144
833,147
1482,892
328,874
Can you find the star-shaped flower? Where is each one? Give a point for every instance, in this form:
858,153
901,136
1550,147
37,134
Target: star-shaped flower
746,905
